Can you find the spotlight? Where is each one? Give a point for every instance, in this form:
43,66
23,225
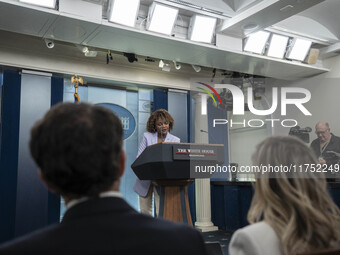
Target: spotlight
237,79
213,74
196,68
177,66
165,65
91,53
49,43
131,57
85,49
148,59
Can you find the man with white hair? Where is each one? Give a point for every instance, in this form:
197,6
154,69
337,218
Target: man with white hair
327,146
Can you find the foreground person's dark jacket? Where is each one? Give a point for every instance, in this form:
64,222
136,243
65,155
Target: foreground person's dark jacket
109,226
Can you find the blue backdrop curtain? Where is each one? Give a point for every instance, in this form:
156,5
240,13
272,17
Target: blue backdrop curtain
25,204
160,99
57,92
9,152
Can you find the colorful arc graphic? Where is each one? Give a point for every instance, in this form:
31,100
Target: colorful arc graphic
208,92
215,92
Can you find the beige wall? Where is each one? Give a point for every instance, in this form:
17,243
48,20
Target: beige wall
324,105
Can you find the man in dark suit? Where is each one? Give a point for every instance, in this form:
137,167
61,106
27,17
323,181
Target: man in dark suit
78,148
327,149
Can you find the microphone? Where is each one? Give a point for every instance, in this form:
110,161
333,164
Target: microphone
209,136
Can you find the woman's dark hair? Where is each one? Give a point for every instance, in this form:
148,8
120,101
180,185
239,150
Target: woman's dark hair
77,148
161,113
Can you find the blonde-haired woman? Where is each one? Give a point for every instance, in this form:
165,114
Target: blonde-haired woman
291,213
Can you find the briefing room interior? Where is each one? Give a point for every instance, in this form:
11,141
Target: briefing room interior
231,74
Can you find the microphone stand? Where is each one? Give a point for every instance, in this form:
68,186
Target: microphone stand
212,138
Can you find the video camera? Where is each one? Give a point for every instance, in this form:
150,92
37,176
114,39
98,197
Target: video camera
302,133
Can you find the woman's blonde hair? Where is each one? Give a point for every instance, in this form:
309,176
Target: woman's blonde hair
296,205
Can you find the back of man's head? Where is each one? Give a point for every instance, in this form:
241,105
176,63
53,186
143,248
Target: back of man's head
78,148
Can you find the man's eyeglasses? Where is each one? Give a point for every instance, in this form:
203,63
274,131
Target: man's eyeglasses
321,132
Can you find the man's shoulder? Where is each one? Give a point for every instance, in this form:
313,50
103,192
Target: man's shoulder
142,232
166,227
159,224
33,242
336,138
314,142
178,237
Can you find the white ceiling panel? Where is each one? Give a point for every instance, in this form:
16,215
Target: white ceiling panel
99,33
263,15
258,65
321,21
20,19
143,43
70,29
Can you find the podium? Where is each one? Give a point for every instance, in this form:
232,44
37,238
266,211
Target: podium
172,166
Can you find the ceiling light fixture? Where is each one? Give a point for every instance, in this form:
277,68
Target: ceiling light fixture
85,49
49,43
196,68
277,46
42,3
123,12
201,28
298,49
165,65
177,65
91,53
161,18
256,42
131,57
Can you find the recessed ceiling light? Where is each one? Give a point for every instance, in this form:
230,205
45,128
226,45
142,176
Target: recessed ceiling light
299,49
161,18
256,42
43,3
123,12
202,28
277,46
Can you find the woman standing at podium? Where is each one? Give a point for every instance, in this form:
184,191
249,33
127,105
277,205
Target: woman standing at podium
158,126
